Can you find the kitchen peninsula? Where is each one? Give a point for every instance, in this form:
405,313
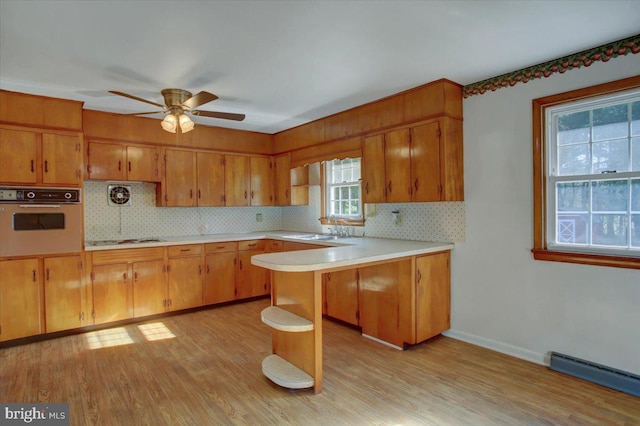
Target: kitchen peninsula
400,290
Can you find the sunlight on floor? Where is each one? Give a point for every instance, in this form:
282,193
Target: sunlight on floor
108,338
156,331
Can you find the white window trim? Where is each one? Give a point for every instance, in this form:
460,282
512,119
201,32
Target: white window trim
328,190
551,180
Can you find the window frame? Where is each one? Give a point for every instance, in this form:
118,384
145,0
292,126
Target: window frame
540,248
341,220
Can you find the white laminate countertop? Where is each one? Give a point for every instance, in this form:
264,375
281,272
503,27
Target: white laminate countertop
342,252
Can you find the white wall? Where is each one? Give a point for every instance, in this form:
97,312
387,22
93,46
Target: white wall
501,297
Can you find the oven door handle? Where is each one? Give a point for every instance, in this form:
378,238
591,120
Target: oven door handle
39,206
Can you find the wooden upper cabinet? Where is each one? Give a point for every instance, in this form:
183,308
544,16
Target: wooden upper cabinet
425,162
142,164
282,176
236,181
397,170
373,170
180,179
210,170
63,293
261,171
18,155
111,161
35,157
20,299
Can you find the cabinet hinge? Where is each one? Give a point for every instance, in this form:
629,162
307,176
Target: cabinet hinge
224,161
164,268
439,189
93,276
438,132
168,268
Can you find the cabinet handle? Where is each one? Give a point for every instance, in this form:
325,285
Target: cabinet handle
389,186
129,165
419,275
252,195
124,276
366,188
119,165
220,247
252,244
199,193
200,269
48,275
245,195
191,193
46,166
35,278
416,184
286,193
187,249
135,277
33,166
208,269
241,264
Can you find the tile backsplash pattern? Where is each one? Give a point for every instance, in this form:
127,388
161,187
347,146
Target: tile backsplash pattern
144,219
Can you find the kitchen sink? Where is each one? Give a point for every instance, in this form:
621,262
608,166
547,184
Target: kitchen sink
128,241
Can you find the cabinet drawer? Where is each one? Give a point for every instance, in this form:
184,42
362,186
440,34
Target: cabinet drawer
185,250
104,257
227,246
251,245
274,245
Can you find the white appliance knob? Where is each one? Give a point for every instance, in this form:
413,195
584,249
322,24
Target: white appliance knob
68,195
31,195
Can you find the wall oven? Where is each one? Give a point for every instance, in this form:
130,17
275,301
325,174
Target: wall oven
39,221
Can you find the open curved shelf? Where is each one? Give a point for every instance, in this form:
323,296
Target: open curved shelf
283,373
283,320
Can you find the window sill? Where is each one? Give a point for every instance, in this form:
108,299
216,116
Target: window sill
345,222
587,259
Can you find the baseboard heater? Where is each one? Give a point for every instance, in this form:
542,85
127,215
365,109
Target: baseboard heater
596,373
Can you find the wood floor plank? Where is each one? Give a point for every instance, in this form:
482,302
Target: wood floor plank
205,368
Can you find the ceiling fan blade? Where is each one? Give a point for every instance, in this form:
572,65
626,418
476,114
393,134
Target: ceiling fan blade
223,115
126,95
144,113
199,99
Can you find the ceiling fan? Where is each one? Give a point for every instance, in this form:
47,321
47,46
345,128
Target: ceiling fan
179,104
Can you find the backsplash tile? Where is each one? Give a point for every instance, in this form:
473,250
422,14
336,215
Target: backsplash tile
144,219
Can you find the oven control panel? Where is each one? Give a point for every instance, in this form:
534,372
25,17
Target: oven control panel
39,195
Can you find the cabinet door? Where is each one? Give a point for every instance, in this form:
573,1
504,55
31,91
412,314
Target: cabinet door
433,295
63,293
425,162
148,288
397,166
185,283
62,159
373,170
261,181
282,176
220,277
180,180
106,161
252,280
210,179
385,297
142,164
20,299
18,156
236,180
112,293
341,295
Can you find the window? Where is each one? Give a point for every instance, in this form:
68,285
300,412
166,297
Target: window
587,176
342,189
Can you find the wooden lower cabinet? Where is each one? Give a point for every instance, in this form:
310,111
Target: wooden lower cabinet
63,293
148,287
184,283
112,293
385,301
341,295
20,299
294,246
220,274
251,280
433,295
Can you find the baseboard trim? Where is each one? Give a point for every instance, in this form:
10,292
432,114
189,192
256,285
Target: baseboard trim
497,346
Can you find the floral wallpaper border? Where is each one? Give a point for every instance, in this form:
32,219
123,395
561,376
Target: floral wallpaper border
585,58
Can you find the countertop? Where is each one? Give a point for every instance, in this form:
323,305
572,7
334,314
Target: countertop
341,252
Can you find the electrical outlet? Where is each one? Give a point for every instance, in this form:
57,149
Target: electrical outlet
258,217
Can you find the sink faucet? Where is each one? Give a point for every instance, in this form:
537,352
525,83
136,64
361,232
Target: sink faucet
335,224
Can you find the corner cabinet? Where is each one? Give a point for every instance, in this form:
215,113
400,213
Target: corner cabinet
420,163
40,157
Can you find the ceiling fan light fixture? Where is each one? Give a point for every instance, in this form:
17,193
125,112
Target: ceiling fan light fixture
186,124
170,123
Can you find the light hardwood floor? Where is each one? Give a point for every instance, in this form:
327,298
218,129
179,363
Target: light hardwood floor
209,373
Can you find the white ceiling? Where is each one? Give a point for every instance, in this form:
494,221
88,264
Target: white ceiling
284,63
